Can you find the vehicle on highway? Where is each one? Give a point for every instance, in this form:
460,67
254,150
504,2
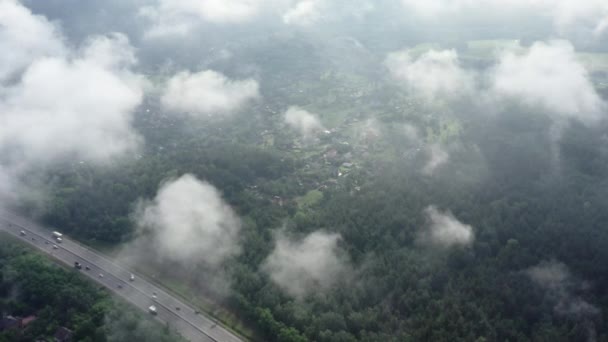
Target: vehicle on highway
77,265
177,308
55,247
59,240
87,268
57,235
100,275
152,310
131,277
22,233
119,286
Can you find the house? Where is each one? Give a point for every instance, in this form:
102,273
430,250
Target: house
63,334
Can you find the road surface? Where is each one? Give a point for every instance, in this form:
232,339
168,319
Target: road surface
181,317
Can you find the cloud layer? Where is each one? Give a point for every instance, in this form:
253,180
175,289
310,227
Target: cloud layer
565,14
207,93
433,74
444,230
24,37
301,267
189,222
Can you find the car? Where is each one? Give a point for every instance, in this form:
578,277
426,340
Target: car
87,268
119,286
177,308
77,265
59,240
196,312
131,277
46,242
100,275
55,247
154,296
22,233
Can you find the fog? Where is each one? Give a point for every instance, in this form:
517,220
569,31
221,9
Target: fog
241,137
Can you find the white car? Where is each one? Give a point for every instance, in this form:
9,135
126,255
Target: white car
131,277
55,247
22,233
100,275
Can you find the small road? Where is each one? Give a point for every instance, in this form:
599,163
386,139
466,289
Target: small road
178,315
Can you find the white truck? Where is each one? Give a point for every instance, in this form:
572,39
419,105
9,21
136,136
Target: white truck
57,236
152,310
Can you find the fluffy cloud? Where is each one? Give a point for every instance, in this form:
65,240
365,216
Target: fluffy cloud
549,76
304,12
433,74
207,92
65,107
555,277
180,16
565,14
189,222
445,230
306,123
24,37
301,267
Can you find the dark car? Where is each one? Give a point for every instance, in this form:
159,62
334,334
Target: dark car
77,265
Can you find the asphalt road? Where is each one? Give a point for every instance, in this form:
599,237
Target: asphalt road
140,292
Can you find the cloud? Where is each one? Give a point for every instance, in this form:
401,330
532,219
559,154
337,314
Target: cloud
73,107
302,267
189,222
181,16
556,279
24,37
565,14
445,230
437,157
306,123
304,13
432,75
549,76
207,92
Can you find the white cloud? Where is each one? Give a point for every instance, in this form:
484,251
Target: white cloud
73,107
305,12
208,92
433,74
189,222
180,16
24,37
306,123
549,76
302,267
445,230
555,277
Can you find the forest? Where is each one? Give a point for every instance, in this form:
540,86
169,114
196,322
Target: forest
313,170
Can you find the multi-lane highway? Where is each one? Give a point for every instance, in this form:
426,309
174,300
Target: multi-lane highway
183,318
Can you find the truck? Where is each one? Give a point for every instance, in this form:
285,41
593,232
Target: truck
152,310
57,235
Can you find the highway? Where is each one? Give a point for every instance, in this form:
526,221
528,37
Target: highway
181,317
